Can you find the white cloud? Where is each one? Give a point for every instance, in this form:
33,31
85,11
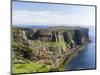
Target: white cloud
49,18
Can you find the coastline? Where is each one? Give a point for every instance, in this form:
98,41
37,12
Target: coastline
69,57
51,51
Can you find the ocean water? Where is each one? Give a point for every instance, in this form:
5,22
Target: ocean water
86,59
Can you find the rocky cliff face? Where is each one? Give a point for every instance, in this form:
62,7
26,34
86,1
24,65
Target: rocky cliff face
48,45
72,37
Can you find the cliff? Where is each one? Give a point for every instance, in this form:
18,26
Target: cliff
71,35
49,45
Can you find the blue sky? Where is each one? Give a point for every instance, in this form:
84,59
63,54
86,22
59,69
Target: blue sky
26,13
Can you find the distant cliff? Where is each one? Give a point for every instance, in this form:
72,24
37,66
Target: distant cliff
73,36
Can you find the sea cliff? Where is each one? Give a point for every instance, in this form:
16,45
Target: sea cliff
51,46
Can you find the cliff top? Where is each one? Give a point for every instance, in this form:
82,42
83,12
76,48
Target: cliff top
56,28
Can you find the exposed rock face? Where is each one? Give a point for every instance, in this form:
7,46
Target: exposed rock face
19,35
44,35
69,38
83,36
72,37
78,35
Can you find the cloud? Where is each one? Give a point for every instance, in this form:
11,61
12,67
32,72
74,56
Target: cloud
49,18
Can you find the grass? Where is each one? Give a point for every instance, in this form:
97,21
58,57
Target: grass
62,44
29,68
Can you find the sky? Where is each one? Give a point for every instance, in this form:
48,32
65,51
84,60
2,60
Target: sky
30,13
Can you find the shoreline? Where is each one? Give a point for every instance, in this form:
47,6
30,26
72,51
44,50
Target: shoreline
70,57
